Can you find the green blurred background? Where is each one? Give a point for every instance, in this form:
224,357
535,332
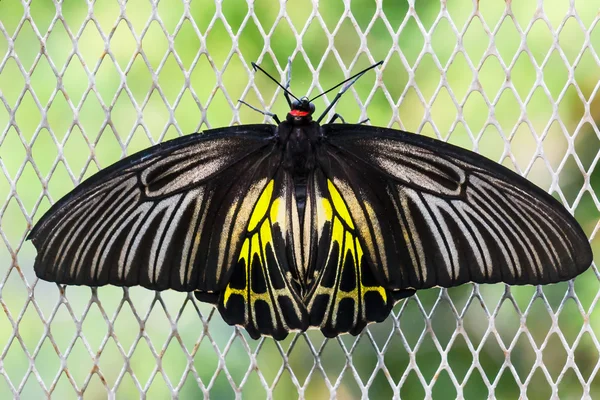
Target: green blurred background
82,85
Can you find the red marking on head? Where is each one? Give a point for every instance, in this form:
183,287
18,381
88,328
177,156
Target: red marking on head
298,113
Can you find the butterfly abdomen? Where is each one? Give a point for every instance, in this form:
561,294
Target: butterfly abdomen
299,140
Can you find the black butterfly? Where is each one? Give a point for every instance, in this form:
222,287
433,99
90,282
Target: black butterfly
297,225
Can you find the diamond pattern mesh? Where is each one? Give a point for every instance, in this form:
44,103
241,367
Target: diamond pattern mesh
83,84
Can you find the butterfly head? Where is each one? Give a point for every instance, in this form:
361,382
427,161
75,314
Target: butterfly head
302,110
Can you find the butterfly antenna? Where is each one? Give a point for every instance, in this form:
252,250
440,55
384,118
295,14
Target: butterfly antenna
358,75
349,82
263,112
289,73
288,81
256,67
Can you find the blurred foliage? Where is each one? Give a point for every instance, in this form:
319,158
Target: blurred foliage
83,85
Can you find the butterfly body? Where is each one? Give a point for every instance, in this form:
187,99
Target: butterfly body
297,225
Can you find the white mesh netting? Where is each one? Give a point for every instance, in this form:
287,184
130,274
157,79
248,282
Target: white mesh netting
83,84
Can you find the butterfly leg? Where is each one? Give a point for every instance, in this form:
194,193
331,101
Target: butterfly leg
335,117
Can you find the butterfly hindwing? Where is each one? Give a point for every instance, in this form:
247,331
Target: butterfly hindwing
344,295
440,216
263,293
169,217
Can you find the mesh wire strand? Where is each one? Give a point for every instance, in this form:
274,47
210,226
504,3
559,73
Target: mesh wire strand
78,352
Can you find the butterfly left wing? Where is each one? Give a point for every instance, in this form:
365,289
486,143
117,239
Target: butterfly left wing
263,293
209,213
167,217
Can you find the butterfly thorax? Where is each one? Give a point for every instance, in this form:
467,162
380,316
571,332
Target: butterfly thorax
298,138
298,134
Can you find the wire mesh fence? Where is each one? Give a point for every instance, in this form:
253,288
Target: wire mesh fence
82,84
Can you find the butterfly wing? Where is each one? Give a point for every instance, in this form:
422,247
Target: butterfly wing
343,295
172,216
264,291
432,214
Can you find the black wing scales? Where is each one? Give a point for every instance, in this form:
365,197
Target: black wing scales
436,215
170,217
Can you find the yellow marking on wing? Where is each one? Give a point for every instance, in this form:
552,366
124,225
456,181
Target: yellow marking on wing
255,249
359,250
252,245
353,247
342,294
339,204
244,251
378,289
266,212
365,289
337,234
349,255
349,245
266,236
275,209
229,291
241,292
261,207
349,248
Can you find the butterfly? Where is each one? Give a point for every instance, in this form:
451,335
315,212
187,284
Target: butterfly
297,225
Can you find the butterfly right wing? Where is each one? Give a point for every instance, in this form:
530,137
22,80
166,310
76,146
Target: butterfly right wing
398,212
432,214
169,217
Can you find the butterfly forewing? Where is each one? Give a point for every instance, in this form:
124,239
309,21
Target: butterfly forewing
440,216
172,217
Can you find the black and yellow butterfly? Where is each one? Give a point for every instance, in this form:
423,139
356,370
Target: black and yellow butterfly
297,225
